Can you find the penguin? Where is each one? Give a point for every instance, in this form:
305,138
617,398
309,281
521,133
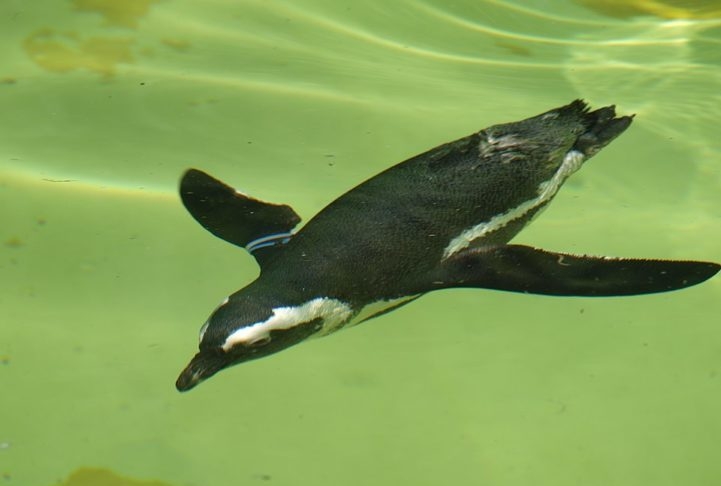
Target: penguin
439,220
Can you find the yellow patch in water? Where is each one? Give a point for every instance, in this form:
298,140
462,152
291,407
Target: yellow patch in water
120,13
180,45
65,52
91,476
514,48
14,242
666,9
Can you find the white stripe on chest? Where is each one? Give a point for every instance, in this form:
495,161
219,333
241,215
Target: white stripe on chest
335,315
546,190
333,312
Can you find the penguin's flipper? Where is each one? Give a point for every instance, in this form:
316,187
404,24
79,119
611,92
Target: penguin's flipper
519,268
235,217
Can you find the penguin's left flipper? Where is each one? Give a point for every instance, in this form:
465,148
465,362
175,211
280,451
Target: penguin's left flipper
519,268
236,217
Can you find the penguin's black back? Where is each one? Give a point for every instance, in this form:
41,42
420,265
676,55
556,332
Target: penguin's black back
391,231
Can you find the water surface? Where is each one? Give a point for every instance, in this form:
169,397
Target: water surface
106,279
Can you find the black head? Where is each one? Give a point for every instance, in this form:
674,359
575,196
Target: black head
246,327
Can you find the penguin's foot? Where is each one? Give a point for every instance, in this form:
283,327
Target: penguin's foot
603,127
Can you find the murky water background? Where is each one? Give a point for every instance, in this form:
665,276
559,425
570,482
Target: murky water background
105,280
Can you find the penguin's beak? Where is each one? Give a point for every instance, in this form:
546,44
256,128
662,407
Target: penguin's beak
203,365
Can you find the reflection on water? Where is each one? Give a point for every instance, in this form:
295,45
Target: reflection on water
106,280
666,72
666,9
664,69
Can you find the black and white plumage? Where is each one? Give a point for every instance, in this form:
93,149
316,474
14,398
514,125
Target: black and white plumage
439,220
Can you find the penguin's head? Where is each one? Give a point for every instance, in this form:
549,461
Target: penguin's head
245,327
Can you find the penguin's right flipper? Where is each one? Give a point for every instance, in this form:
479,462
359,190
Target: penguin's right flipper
519,268
235,217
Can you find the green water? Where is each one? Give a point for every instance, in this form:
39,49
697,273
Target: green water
105,280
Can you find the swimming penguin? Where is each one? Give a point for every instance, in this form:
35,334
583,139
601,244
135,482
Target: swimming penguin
441,219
